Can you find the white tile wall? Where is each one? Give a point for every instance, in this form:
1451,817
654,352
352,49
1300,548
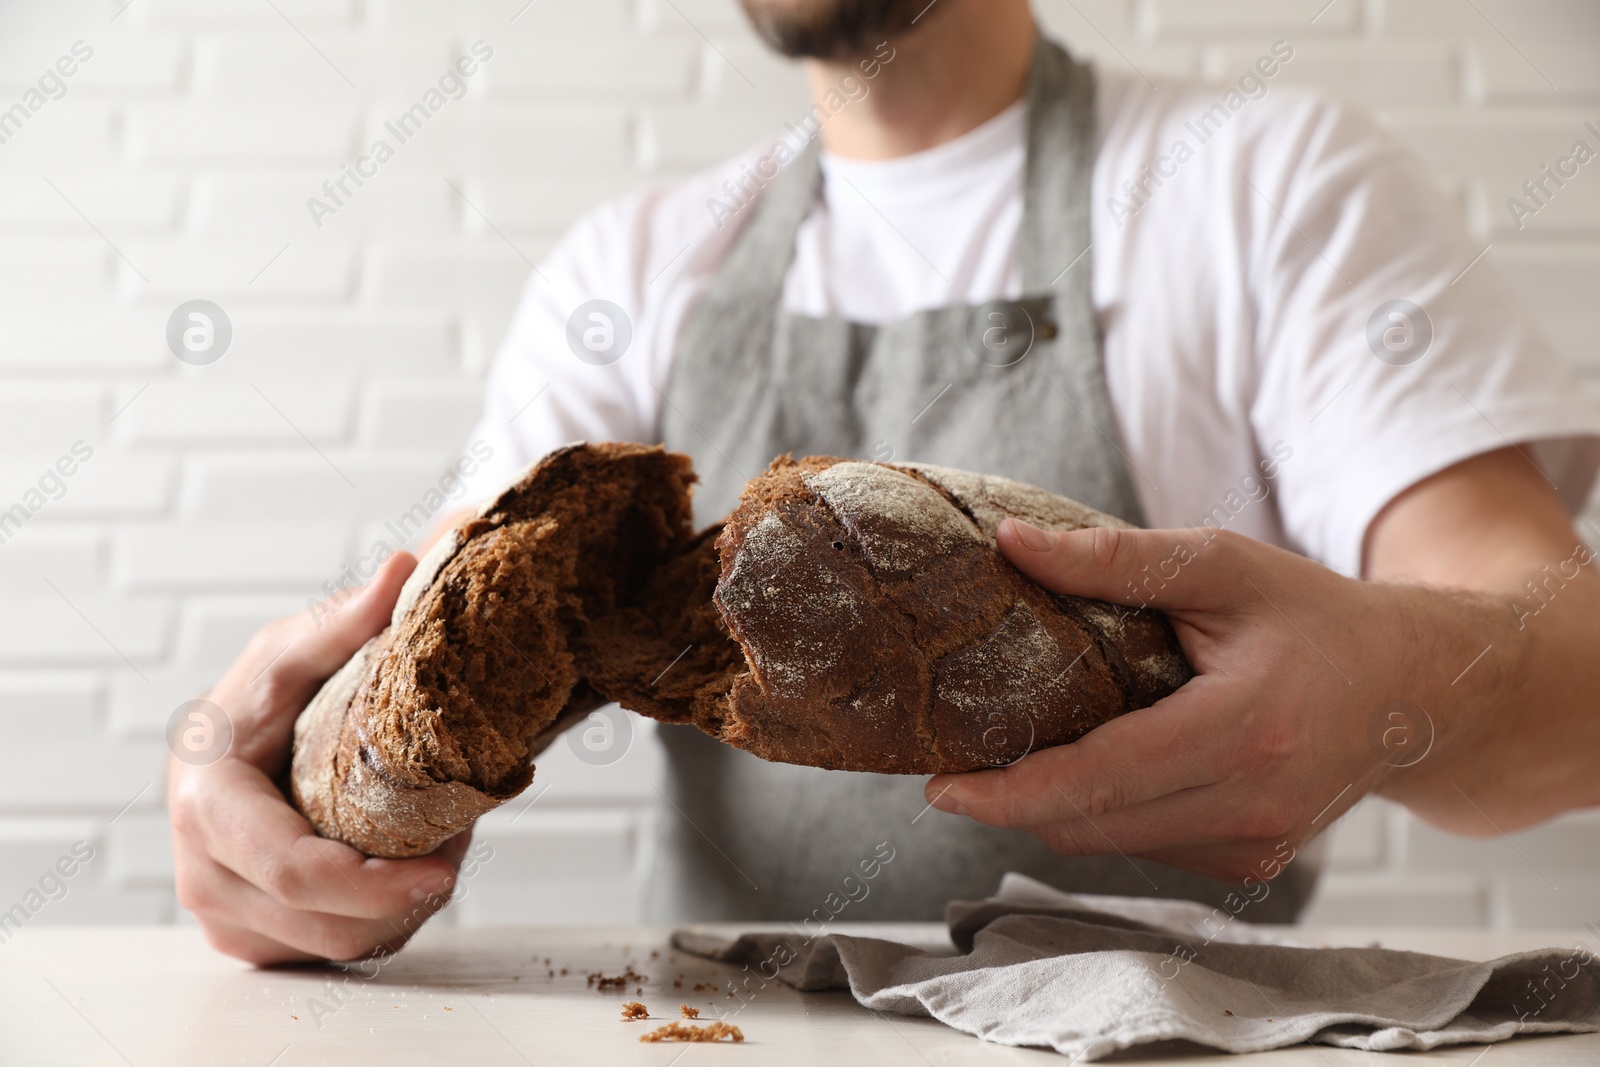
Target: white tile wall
177,165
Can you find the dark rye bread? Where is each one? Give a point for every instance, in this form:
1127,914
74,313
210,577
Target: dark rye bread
884,631
849,615
558,594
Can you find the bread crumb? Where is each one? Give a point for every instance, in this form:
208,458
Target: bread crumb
632,1010
607,983
682,1032
688,1012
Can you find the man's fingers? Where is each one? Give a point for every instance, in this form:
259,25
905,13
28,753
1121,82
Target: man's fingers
247,827
1204,818
1167,569
339,626
269,891
1170,746
248,945
1234,861
218,895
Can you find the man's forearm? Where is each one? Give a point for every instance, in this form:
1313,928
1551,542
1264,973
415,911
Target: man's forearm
1500,643
1510,685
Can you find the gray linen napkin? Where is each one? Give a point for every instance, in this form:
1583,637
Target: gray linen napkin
1088,975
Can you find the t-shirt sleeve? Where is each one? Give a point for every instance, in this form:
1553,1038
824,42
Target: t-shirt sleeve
1389,346
539,394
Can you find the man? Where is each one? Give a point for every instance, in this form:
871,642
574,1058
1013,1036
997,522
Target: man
1240,310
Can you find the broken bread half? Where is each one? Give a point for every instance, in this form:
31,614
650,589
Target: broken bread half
848,615
883,631
565,589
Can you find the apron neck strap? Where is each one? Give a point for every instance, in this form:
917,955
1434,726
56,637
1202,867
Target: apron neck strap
759,260
1061,152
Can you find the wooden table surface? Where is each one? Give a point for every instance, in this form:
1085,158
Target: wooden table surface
158,996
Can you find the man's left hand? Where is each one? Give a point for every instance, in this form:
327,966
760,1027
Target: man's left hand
1288,722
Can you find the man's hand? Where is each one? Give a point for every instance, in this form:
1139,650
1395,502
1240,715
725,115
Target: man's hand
1300,671
1266,746
264,887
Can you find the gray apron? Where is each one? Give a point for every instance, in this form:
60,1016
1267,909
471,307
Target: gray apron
743,839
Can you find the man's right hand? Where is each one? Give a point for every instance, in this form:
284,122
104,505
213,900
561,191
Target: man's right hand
263,885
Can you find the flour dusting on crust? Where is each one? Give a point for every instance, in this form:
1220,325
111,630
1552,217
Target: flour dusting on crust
807,606
898,520
991,499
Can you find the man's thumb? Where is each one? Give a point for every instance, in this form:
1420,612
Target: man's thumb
1165,569
344,623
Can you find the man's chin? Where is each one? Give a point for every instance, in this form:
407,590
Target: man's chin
830,29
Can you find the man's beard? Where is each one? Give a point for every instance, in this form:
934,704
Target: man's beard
830,29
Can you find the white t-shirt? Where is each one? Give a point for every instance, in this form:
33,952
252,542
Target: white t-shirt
1234,300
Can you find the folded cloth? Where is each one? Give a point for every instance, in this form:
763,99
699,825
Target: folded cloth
1088,975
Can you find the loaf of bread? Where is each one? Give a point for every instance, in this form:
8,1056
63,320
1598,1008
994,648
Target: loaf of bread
847,615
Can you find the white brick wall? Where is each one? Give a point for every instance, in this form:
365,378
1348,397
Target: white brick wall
177,166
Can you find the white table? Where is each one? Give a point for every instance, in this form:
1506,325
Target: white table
158,997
